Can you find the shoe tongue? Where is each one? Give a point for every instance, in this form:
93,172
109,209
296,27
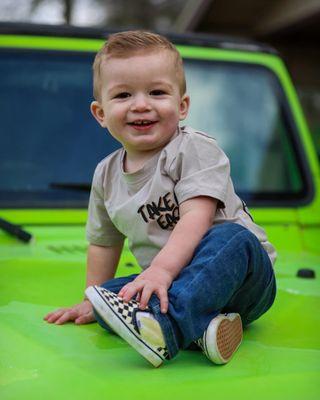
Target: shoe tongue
150,328
144,314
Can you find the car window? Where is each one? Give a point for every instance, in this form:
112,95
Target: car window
243,107
50,143
48,135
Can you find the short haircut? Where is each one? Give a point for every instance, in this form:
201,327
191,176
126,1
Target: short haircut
128,43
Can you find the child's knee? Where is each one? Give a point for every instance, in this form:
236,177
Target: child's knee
227,229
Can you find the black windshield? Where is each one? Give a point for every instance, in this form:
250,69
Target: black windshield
48,134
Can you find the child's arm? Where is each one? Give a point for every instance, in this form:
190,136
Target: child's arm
102,263
196,217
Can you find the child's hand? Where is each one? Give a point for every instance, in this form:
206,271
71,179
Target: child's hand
152,280
80,313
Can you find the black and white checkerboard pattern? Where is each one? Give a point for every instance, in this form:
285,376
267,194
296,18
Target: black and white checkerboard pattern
126,312
163,352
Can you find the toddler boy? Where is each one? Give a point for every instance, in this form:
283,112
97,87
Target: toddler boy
207,268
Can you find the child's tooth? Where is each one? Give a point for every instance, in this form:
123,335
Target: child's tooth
142,122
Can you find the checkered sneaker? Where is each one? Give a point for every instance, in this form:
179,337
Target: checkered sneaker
222,338
121,317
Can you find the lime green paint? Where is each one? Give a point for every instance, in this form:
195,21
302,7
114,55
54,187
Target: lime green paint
49,43
45,216
279,357
311,239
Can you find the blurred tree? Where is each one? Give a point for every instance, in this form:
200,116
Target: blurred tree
67,8
147,14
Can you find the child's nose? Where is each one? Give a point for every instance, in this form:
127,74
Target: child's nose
140,103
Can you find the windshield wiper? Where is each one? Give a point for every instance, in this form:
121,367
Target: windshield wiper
15,230
79,187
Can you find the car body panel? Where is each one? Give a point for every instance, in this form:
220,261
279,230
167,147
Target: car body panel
280,354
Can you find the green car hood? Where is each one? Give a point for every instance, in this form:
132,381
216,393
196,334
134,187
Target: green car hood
279,357
280,354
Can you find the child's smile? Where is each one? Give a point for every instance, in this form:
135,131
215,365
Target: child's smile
142,124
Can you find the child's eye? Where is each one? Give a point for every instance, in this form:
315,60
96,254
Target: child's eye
157,92
122,95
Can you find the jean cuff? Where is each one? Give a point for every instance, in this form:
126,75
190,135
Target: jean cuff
167,326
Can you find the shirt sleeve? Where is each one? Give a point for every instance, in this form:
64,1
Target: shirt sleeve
99,229
201,168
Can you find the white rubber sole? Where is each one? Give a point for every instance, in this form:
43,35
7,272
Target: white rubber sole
111,318
223,337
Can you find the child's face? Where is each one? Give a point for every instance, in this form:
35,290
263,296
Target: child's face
141,104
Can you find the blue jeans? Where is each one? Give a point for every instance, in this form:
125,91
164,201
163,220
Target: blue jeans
229,272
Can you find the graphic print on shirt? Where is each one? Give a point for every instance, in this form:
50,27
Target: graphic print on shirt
165,211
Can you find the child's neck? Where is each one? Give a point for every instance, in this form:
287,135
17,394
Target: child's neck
134,162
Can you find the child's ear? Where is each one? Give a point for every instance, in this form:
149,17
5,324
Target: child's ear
184,106
97,112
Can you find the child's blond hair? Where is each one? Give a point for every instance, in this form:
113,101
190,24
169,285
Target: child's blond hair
126,44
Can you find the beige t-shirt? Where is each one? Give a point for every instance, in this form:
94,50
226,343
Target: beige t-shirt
144,206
